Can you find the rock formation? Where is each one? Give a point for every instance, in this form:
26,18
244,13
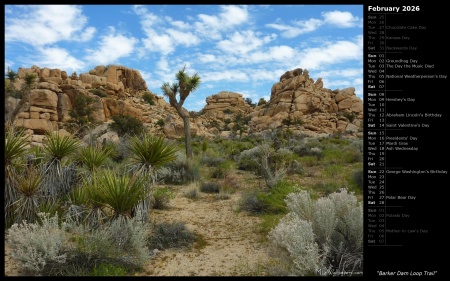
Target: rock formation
297,102
306,106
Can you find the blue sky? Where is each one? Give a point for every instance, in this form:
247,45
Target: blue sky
238,48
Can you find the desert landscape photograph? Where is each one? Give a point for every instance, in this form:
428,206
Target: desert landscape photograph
183,140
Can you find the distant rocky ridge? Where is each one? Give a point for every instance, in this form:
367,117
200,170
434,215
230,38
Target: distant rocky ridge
296,97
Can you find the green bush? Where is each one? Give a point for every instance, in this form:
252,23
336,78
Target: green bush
327,187
170,235
160,122
273,201
358,179
126,125
161,198
148,98
250,202
98,92
210,187
108,269
223,170
82,109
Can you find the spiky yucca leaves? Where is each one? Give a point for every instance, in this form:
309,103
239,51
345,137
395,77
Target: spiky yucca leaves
93,157
15,149
120,193
29,197
58,147
59,176
86,204
148,154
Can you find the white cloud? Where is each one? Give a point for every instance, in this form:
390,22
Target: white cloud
242,42
161,39
111,47
48,24
57,58
313,58
265,75
206,58
277,54
297,28
230,16
159,43
180,24
349,72
340,19
226,75
183,38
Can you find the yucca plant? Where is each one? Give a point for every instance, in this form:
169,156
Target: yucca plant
59,176
148,154
15,148
93,157
86,204
29,195
58,147
120,193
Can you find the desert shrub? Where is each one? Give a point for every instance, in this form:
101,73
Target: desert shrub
358,179
192,193
223,195
232,148
210,187
248,160
223,170
334,170
108,269
148,98
321,236
161,198
342,156
303,150
273,200
98,92
349,115
262,101
266,160
170,235
229,183
179,171
126,125
160,122
35,246
212,161
326,187
122,242
352,155
295,167
250,202
82,110
309,161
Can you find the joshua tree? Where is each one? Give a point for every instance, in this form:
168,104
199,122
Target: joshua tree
183,87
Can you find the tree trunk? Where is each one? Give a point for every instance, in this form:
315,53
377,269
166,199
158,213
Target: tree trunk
59,107
187,136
